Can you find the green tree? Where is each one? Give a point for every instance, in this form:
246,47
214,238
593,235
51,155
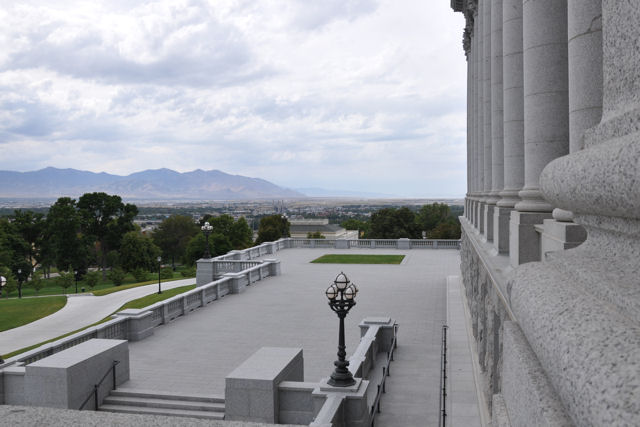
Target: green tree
449,229
11,284
106,219
36,282
272,228
68,247
429,216
315,235
140,274
172,236
218,244
31,227
363,227
238,232
138,251
117,275
92,278
65,280
392,223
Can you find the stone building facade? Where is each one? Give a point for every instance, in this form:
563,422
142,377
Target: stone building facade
551,230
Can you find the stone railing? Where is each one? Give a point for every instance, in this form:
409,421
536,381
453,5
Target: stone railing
137,324
373,243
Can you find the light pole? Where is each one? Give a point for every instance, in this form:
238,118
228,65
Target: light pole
19,283
3,281
206,229
341,296
159,268
75,274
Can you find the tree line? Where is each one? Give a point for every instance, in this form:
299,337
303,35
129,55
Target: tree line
436,221
98,231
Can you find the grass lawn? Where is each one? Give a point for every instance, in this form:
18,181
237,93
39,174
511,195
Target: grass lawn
17,312
136,303
358,259
102,288
154,298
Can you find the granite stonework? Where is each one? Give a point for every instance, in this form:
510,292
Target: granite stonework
556,315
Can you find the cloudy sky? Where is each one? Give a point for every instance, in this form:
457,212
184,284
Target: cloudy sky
363,95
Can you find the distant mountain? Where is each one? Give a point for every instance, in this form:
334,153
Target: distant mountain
148,184
323,192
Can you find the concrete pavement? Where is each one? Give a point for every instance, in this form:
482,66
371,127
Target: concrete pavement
80,311
194,353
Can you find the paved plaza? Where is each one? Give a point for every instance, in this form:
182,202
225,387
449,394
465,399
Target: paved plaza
194,353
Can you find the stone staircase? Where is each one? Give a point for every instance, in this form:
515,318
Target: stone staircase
131,401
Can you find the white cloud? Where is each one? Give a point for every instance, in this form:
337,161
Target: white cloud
355,94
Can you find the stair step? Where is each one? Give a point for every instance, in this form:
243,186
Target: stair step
162,411
154,394
155,402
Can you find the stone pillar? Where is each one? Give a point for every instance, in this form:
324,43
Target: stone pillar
500,222
585,106
469,54
513,98
488,202
546,115
480,123
591,290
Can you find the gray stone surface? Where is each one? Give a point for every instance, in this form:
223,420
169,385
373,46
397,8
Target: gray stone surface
546,98
251,390
524,240
497,97
501,218
209,343
65,379
24,416
485,9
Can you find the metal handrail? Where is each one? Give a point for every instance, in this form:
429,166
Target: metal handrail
386,371
443,379
96,387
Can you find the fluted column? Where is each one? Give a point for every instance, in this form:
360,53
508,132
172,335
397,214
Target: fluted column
546,115
513,103
585,106
499,217
513,118
489,202
480,123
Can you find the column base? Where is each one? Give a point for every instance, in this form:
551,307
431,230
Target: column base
501,217
480,217
524,240
558,236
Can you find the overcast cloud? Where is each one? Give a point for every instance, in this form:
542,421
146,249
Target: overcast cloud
364,95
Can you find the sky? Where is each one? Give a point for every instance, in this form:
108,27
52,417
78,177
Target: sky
361,95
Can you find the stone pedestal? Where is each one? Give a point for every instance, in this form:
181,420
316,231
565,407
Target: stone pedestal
480,225
557,236
524,240
140,325
205,271
501,217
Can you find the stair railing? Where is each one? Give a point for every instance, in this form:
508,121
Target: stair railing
96,387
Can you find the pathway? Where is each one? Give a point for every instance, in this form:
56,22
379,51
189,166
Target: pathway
80,311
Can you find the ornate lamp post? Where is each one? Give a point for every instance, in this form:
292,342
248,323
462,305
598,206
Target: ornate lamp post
3,281
19,283
75,275
206,229
159,268
341,296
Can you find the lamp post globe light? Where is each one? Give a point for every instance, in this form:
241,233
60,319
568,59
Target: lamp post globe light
75,275
206,229
3,281
341,294
159,268
19,283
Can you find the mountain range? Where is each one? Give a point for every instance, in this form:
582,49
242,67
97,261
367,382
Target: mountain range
148,184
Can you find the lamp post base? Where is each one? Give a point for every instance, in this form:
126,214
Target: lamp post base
341,377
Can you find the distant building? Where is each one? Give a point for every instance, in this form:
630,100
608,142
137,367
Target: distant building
302,227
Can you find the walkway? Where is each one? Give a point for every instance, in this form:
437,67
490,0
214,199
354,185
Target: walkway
194,354
80,311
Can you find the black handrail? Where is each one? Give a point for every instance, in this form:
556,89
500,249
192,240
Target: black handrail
443,379
386,371
96,387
